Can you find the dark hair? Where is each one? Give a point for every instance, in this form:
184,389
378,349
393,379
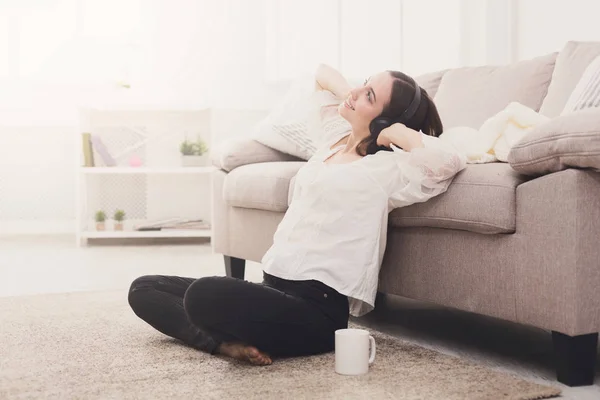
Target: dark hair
426,119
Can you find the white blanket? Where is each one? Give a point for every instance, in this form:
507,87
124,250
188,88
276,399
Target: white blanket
493,141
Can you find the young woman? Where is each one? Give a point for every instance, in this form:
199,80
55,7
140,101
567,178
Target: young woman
327,251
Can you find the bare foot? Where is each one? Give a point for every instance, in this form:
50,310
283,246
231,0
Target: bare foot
244,352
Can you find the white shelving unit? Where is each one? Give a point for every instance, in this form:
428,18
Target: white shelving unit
183,233
147,170
158,189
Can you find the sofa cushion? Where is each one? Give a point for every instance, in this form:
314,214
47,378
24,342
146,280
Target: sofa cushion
572,61
480,199
263,186
235,152
431,81
587,91
572,140
291,190
469,96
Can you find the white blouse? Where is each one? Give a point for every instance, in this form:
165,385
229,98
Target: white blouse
335,228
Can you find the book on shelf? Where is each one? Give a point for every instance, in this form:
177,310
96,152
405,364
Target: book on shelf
88,153
174,224
98,145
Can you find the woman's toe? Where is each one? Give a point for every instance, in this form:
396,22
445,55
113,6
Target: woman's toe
252,352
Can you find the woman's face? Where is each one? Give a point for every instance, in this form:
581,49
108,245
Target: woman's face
364,103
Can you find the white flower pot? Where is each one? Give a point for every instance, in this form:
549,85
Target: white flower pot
194,161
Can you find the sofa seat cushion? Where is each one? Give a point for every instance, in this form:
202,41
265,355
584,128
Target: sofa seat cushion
482,199
262,186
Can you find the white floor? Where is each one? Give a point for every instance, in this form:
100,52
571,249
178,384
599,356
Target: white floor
45,264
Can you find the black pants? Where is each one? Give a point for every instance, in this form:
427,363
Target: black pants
280,317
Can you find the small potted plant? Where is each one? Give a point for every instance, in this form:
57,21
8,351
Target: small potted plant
193,153
100,217
119,217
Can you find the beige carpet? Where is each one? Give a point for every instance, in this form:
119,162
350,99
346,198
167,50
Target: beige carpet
89,345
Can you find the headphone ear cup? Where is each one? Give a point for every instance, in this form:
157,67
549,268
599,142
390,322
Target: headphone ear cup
379,124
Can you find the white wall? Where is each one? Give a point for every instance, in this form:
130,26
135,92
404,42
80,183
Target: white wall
194,54
37,179
415,36
503,31
371,37
431,35
544,26
201,53
473,35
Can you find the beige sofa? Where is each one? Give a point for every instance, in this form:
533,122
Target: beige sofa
497,243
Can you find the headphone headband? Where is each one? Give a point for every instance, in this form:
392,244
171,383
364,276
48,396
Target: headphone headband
414,105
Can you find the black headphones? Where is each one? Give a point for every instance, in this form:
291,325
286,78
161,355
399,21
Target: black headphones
380,123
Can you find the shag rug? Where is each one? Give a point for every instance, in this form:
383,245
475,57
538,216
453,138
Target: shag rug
90,345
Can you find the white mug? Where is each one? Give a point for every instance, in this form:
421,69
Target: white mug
352,355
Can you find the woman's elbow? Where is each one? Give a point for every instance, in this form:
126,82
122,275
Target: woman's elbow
320,75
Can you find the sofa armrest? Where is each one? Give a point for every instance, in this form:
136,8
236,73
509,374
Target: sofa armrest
568,141
240,151
557,274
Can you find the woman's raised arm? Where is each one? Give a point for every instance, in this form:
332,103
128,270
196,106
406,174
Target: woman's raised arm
328,78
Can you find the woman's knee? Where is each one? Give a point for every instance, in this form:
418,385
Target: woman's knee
139,289
199,299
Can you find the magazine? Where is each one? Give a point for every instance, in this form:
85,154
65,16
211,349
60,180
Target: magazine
174,223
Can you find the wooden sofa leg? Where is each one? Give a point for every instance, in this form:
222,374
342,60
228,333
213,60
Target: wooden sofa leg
575,358
235,267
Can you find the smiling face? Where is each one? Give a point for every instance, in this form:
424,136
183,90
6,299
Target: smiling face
366,102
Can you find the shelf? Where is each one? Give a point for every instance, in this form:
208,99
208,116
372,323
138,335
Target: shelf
147,170
170,233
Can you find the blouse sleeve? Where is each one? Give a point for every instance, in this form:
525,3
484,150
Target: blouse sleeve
422,173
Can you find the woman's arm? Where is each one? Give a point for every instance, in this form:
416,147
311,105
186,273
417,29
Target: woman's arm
424,168
401,136
327,78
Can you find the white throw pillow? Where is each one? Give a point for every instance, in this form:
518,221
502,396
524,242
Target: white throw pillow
295,126
587,92
286,127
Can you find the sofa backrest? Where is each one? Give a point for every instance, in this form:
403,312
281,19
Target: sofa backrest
570,65
431,81
468,96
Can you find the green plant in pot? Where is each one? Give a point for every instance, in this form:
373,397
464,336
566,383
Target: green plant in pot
193,152
119,217
100,217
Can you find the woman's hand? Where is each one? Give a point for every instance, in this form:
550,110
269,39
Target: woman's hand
401,136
